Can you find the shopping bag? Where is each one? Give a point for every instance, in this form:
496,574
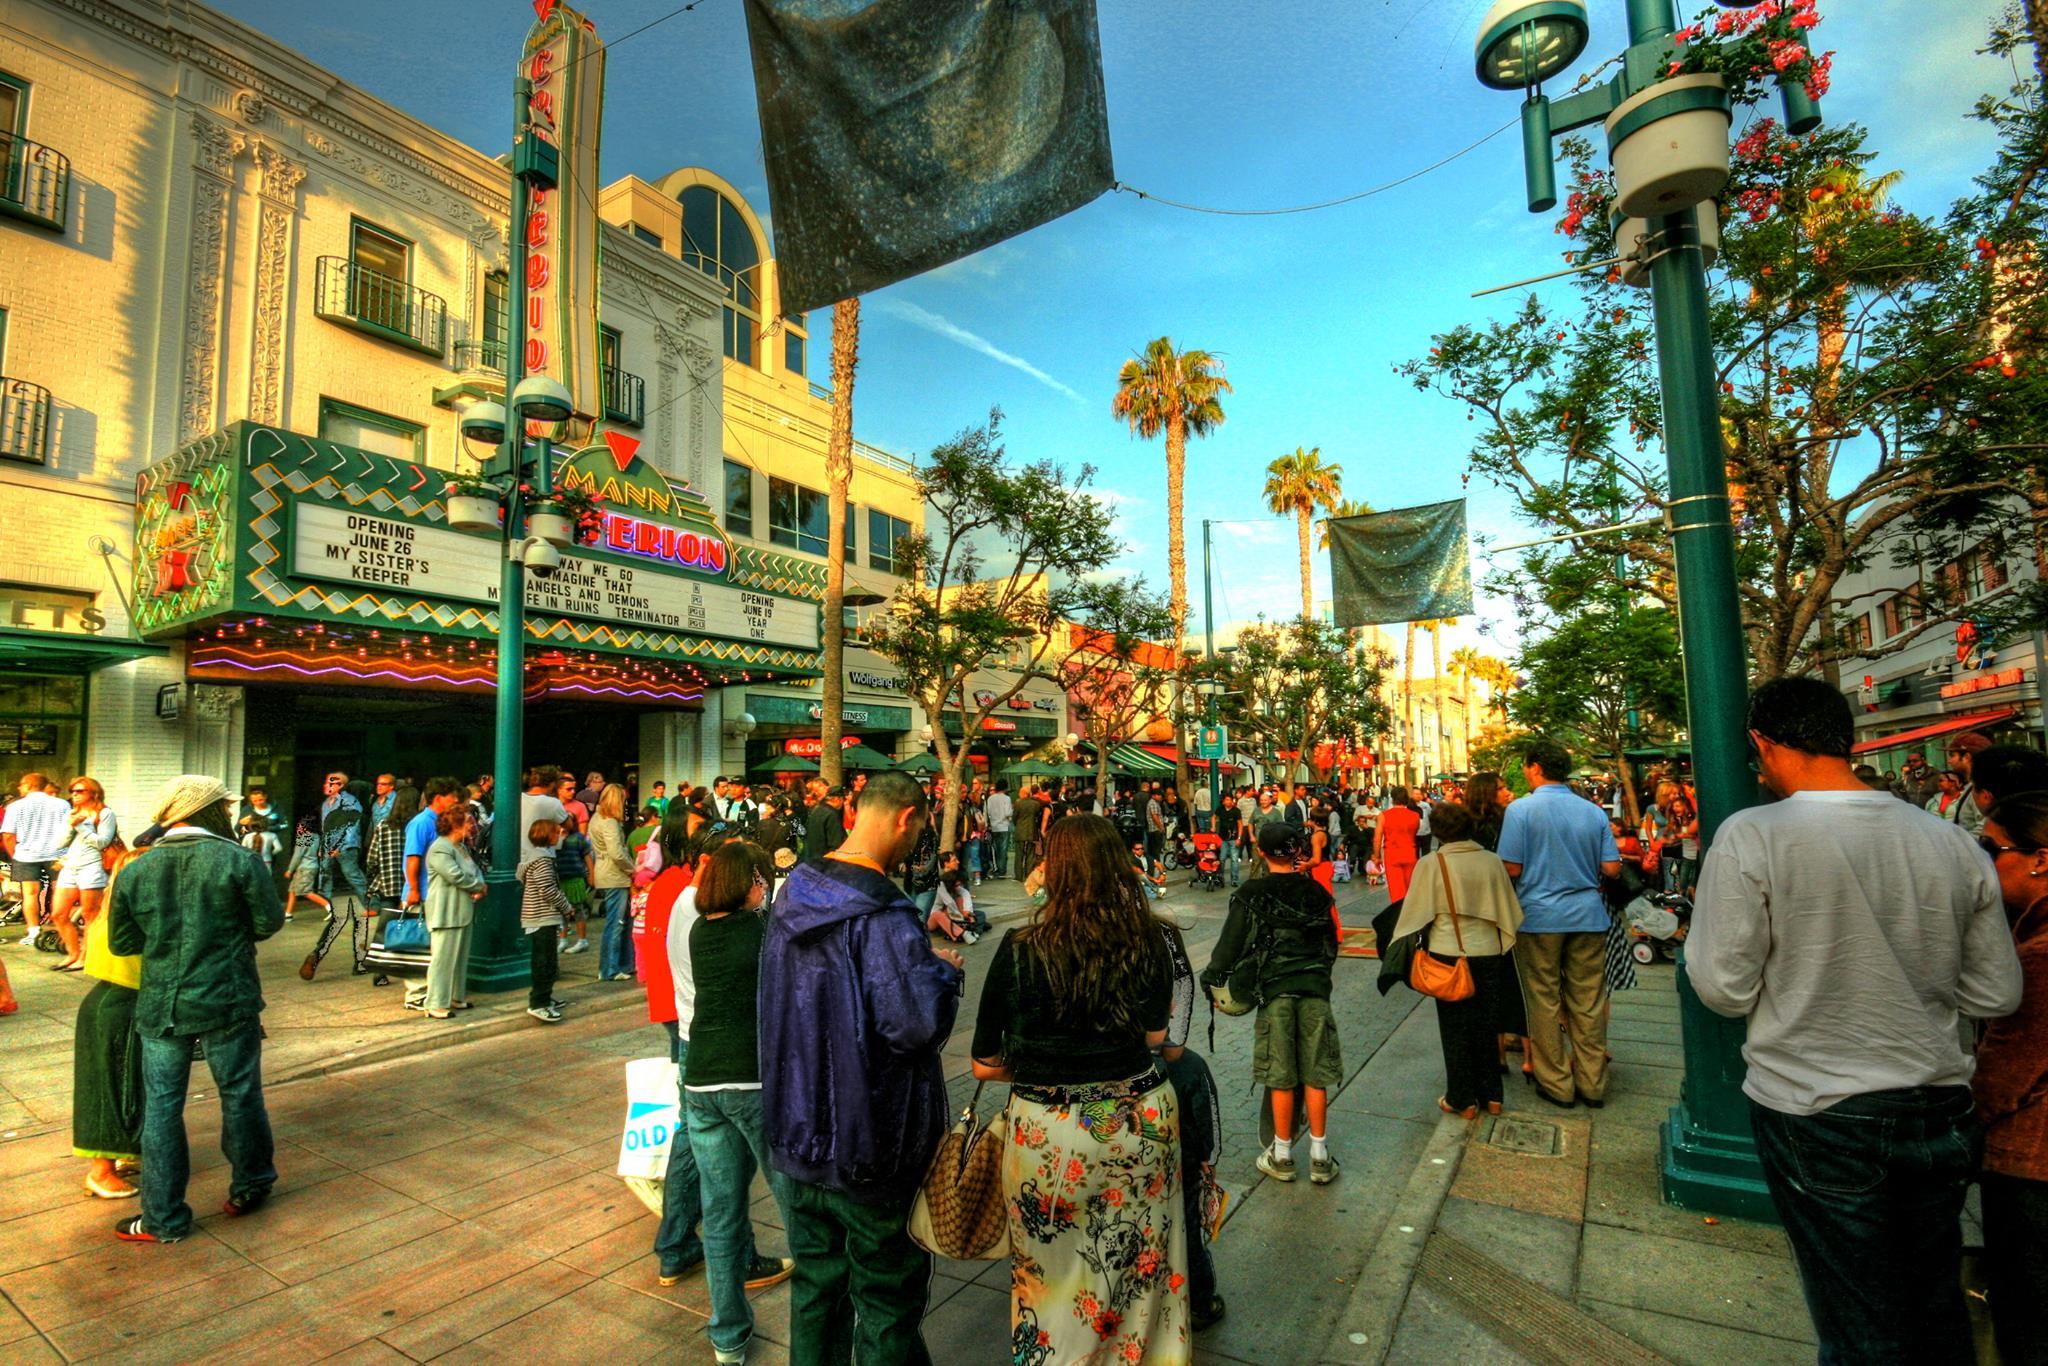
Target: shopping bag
653,1112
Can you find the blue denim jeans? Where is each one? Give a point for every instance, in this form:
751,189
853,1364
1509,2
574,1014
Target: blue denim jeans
615,949
675,1238
998,853
1228,853
730,1144
1871,1195
235,1057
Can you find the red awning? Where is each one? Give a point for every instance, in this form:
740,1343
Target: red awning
1948,725
1166,752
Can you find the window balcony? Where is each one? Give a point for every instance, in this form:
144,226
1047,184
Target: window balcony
35,184
24,421
625,396
475,354
380,306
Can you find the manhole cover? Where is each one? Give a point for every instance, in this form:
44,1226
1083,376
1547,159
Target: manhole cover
1530,1136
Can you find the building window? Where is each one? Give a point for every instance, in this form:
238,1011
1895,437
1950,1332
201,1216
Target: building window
884,532
1863,641
739,499
378,433
852,555
717,241
1893,615
1991,562
651,238
607,347
793,344
498,311
380,283
13,127
798,517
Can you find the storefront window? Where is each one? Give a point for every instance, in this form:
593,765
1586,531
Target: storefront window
42,725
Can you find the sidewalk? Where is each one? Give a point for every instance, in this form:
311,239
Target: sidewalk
461,1201
1542,1236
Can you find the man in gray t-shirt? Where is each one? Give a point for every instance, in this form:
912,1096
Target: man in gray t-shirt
1854,934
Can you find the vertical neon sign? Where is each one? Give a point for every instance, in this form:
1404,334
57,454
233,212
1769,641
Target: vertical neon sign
564,62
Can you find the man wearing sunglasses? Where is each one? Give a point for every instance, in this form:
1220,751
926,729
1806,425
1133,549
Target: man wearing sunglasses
341,841
1852,932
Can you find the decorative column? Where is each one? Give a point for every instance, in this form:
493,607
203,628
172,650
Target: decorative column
702,361
277,193
213,180
671,345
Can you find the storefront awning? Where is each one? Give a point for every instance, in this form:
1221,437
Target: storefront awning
57,652
1141,760
1948,725
1199,765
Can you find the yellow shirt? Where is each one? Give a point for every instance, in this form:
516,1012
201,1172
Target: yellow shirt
104,964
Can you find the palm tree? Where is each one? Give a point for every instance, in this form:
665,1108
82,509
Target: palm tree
1408,705
1300,483
1346,507
1177,392
1465,664
838,483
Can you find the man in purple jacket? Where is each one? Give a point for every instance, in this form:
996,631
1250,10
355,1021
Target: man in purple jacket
855,1006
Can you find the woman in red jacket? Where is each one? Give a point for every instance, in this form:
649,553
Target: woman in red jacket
2011,1085
1394,845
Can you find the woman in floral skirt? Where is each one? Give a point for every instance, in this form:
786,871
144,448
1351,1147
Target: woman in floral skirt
1074,1007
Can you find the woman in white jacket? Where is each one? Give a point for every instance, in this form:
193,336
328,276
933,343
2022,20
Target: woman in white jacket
1462,893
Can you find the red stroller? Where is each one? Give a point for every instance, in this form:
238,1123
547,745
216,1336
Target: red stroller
1209,861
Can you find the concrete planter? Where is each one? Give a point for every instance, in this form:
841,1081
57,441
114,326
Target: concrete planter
472,512
552,525
1669,145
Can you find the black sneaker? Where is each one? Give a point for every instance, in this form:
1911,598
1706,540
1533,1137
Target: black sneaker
239,1205
130,1230
1207,1316
669,1275
767,1271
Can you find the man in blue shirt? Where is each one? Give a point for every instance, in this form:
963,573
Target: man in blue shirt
439,795
387,793
341,840
1557,846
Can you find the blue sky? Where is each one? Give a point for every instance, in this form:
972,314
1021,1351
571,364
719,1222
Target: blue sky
1215,102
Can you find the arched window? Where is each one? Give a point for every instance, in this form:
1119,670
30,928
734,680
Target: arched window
717,242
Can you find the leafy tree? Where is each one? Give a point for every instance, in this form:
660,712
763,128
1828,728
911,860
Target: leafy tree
1346,507
1001,564
1299,684
1180,394
1864,390
1119,672
1299,484
1600,678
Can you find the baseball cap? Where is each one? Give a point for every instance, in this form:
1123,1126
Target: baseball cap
1281,840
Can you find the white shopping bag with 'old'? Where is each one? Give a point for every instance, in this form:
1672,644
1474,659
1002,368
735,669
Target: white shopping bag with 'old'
653,1113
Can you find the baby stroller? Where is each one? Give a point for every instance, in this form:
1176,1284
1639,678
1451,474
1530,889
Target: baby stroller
1209,861
1657,922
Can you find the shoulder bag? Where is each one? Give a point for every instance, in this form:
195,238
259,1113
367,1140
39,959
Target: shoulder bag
1431,975
960,1211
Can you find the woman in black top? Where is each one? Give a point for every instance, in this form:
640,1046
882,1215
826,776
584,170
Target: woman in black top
1074,1005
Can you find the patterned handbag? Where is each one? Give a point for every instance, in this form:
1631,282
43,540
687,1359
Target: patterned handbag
960,1211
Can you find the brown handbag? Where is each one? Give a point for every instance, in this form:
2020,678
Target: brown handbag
1431,975
960,1211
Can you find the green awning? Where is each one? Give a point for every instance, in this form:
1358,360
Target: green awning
1139,760
23,651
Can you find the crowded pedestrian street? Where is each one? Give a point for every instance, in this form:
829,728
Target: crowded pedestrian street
1052,682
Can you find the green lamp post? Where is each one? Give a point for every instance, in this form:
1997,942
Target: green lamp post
499,960
1708,1157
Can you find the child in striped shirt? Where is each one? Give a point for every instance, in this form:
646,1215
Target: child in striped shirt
543,910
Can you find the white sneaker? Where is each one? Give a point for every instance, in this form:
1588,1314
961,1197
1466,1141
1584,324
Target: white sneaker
545,1014
580,946
970,936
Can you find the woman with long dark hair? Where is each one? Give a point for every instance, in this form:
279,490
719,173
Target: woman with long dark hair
2011,1061
1486,797
1074,1005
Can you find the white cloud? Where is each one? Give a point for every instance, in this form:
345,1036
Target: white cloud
952,331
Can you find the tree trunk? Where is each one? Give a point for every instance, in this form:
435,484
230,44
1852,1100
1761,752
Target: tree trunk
1436,681
1408,707
950,765
1177,570
1631,804
1308,602
1465,705
838,480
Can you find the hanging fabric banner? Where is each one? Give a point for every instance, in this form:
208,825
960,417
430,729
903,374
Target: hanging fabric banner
903,134
1411,564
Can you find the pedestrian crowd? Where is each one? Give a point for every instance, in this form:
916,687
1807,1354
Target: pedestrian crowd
800,950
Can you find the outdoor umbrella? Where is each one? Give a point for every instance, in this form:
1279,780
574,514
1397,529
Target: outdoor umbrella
787,763
1030,768
923,762
1070,769
860,756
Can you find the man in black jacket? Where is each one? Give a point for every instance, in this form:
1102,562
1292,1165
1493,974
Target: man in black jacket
824,826
1288,922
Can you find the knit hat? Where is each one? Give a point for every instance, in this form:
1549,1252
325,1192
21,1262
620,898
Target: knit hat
186,794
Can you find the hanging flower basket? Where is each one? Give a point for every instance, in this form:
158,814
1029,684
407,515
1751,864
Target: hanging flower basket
1669,145
1632,242
472,505
551,522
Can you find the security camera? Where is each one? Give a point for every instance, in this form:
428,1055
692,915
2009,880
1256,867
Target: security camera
541,559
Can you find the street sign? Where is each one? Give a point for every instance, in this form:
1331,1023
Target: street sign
1211,741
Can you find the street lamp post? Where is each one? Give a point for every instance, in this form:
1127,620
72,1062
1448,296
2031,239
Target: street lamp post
498,961
1708,1159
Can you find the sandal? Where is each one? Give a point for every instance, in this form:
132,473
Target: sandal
1469,1112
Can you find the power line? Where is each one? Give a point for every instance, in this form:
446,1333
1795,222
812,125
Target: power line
1327,203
